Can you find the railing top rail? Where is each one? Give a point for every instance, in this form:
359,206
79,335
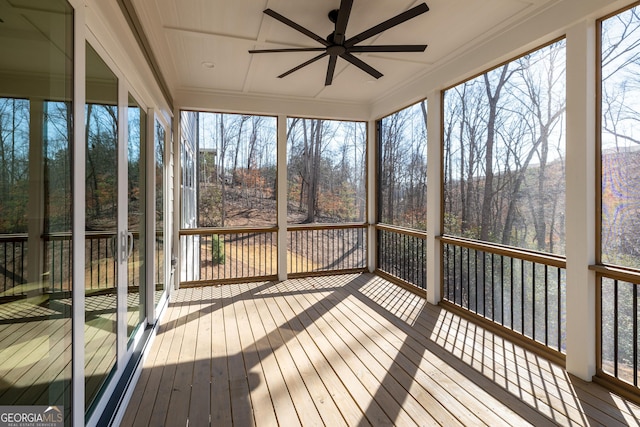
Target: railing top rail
66,235
226,230
15,237
402,230
316,226
526,255
617,273
23,237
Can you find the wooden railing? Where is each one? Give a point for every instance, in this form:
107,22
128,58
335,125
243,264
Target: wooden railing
326,248
214,255
100,269
618,325
523,291
13,253
402,255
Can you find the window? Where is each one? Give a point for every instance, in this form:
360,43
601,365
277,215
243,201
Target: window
14,181
402,168
159,172
504,184
620,139
620,196
237,157
504,149
326,171
36,204
101,208
402,195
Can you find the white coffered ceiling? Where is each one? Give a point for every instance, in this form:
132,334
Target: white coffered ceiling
202,45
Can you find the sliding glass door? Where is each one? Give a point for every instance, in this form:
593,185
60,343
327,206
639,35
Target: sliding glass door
36,205
115,195
102,243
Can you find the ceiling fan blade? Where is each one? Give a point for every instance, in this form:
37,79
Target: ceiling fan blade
293,49
362,65
304,64
333,59
295,26
396,20
341,22
390,48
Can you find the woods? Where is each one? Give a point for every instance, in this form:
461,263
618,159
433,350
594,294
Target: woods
16,153
620,142
402,168
236,170
504,153
326,171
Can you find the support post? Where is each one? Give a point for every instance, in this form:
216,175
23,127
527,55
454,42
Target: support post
580,200
372,168
434,196
282,197
35,209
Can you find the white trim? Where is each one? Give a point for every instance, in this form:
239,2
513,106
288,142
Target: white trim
270,106
372,184
123,227
580,199
176,219
167,207
150,207
434,196
107,26
78,225
282,197
121,260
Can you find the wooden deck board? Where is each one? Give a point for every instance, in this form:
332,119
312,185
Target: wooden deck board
352,375
400,403
183,379
382,345
148,385
199,404
220,396
338,392
256,351
241,410
348,350
301,404
160,406
319,394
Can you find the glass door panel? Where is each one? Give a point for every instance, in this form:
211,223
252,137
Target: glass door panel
159,256
137,122
101,209
36,205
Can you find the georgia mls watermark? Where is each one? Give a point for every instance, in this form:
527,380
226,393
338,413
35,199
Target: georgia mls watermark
31,416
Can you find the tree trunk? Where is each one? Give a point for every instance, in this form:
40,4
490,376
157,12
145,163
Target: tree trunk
486,222
92,178
315,149
221,171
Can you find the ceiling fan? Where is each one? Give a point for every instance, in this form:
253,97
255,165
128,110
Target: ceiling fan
337,45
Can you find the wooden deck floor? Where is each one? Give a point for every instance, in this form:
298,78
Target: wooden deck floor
348,350
35,346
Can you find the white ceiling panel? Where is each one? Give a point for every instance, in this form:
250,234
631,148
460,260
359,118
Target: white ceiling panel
185,34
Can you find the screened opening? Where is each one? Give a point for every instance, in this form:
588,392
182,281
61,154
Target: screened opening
402,194
620,196
504,195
